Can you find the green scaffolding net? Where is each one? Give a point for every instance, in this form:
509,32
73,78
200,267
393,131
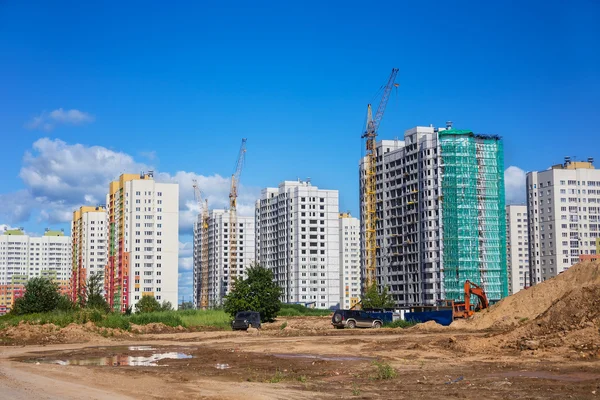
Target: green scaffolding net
474,231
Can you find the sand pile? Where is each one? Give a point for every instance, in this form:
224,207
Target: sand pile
429,326
156,327
528,304
25,333
573,321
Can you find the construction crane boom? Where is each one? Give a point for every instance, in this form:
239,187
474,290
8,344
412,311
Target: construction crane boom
369,186
233,228
203,208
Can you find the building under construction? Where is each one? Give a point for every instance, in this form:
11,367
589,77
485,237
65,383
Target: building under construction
439,215
220,275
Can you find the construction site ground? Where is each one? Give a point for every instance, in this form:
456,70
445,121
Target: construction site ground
307,359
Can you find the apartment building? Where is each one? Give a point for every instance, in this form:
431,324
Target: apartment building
89,237
221,278
297,238
440,215
563,207
517,248
143,240
350,283
23,257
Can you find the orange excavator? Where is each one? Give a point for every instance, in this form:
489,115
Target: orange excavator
463,310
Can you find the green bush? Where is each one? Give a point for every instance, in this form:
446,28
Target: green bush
41,295
169,318
217,318
400,323
258,292
114,321
295,310
384,370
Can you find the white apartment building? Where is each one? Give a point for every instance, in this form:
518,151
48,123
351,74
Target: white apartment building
143,241
89,237
350,282
563,206
220,276
297,238
23,257
517,248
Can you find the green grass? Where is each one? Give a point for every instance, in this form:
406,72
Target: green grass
384,371
216,318
400,323
187,318
298,310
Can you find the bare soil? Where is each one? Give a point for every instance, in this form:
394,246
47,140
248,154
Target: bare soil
542,343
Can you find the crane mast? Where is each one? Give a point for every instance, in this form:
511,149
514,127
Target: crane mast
203,247
369,187
235,180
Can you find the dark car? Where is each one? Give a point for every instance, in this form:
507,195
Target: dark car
246,319
354,319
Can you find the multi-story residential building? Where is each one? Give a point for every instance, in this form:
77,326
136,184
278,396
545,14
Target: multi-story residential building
517,248
297,238
440,215
23,257
221,279
143,240
563,207
349,261
89,236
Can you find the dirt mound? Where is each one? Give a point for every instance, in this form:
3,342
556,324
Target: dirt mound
26,333
572,321
156,328
299,323
530,303
429,326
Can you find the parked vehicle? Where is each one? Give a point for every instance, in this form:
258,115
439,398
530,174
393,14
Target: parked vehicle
246,319
354,319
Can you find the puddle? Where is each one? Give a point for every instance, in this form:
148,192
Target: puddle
576,377
320,357
118,360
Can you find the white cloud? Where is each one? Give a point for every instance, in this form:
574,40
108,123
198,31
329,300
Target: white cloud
47,121
514,185
59,177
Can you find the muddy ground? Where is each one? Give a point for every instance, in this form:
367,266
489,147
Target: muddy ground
305,360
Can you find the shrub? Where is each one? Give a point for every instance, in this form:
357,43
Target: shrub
258,292
384,370
41,295
400,323
147,304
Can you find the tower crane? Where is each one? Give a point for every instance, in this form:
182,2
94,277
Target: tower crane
369,187
203,295
233,229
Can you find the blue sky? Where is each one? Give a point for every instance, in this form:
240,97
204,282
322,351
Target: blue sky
176,86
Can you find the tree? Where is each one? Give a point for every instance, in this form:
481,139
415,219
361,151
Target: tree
186,305
41,295
147,304
373,299
166,306
257,292
93,293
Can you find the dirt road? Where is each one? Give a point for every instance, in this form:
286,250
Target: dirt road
293,363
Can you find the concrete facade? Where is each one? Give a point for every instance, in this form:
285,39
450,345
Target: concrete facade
297,238
403,168
143,229
220,277
517,248
23,257
410,222
350,283
89,237
563,207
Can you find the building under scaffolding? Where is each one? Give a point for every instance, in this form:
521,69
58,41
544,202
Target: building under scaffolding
440,215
